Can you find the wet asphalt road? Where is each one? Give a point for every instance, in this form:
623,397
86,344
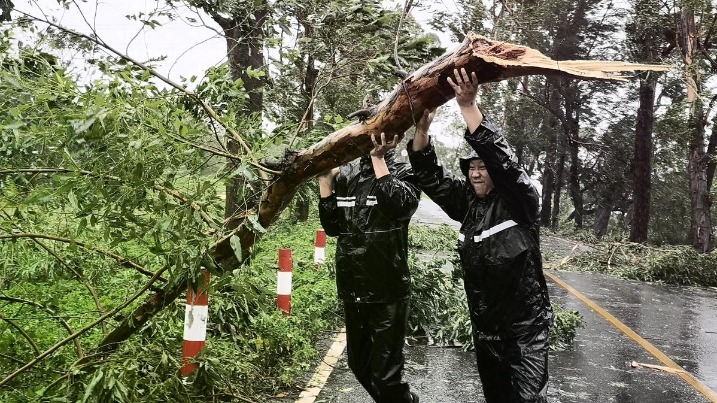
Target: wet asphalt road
679,321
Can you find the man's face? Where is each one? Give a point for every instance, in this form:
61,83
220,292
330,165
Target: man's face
479,178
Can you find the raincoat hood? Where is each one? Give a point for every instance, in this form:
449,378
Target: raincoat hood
465,162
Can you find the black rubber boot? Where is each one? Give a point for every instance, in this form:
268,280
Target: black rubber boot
414,398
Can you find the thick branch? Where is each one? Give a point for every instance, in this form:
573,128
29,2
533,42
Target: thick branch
155,303
426,88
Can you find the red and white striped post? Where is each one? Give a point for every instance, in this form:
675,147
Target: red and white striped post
283,283
196,315
320,248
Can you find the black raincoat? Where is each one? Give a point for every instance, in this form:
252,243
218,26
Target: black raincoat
502,266
370,218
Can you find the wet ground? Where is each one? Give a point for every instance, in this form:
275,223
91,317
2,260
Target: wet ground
680,322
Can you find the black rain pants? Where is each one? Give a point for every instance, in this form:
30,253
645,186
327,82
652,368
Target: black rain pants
515,370
375,334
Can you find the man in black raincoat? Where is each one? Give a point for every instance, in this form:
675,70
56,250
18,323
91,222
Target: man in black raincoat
498,208
368,204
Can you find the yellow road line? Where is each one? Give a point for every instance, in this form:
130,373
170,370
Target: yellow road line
689,378
318,379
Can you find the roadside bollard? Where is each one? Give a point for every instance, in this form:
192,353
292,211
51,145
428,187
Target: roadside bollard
196,315
283,283
320,248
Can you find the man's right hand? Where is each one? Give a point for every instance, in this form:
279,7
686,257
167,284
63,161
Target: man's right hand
420,139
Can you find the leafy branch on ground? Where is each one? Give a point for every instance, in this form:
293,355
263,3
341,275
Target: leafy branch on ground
677,265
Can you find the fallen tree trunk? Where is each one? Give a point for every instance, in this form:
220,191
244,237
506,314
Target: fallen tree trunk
424,89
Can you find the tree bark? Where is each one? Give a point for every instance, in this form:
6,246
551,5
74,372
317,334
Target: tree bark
642,187
572,133
558,185
701,222
712,154
602,219
551,157
576,194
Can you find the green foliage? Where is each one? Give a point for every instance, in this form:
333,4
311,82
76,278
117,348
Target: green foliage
434,299
680,265
252,350
111,174
564,328
440,238
333,73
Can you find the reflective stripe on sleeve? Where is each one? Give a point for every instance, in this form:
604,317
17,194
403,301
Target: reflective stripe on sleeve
346,201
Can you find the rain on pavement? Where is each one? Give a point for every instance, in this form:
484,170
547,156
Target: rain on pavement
681,322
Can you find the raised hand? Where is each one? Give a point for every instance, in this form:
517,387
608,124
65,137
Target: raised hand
326,181
420,139
380,149
425,122
466,88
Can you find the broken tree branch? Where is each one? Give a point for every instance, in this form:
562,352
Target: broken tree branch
426,88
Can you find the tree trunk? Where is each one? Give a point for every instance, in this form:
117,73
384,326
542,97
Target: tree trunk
643,165
701,223
712,155
558,186
547,219
547,197
245,50
576,194
572,137
602,219
311,74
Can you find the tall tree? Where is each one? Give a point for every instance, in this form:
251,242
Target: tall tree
243,25
689,36
329,77
646,40
566,30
